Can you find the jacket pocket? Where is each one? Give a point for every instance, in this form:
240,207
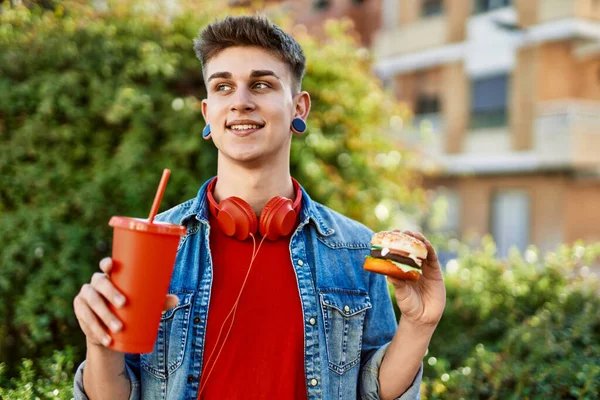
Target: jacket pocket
169,348
343,316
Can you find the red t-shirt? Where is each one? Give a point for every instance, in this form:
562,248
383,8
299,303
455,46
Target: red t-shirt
263,357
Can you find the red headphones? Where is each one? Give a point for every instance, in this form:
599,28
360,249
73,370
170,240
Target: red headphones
237,218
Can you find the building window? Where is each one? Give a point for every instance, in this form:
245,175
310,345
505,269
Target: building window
427,95
427,104
489,98
444,213
432,7
510,220
482,6
321,4
388,84
452,223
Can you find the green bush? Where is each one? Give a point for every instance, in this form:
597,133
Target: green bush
45,379
95,103
520,328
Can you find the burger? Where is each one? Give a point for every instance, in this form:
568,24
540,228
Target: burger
396,254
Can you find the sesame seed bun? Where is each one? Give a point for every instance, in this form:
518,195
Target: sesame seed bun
396,240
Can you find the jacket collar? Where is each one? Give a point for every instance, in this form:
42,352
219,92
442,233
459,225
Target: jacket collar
308,211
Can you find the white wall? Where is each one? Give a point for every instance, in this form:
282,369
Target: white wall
489,48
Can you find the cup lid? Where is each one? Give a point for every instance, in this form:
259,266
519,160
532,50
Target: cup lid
140,224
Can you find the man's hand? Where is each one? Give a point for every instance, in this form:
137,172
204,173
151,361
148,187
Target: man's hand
422,302
91,306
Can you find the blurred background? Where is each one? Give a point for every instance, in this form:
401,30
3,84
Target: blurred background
475,121
504,96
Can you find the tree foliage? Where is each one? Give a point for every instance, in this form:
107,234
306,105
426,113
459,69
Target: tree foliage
526,327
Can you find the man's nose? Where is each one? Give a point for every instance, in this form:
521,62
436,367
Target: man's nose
242,101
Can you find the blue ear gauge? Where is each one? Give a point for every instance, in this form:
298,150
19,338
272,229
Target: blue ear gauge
206,131
299,125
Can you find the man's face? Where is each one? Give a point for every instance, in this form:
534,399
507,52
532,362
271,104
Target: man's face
250,104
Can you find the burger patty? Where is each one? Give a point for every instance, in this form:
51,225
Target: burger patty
395,257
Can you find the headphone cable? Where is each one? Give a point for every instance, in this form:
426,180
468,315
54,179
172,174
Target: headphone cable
234,311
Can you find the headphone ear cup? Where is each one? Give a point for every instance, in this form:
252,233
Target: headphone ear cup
248,212
236,218
277,218
266,214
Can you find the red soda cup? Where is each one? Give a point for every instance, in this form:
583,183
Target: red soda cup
143,256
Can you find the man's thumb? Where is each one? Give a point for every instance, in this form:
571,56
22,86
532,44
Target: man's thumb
170,302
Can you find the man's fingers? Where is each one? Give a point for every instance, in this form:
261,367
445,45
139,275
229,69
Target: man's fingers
105,287
97,303
431,254
418,235
396,282
89,323
106,264
401,288
170,302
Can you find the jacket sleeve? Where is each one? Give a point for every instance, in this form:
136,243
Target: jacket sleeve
131,365
379,329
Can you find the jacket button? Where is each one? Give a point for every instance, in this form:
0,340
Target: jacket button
314,382
196,320
190,378
346,308
312,321
300,262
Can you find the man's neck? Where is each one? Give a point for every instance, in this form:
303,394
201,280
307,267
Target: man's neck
255,186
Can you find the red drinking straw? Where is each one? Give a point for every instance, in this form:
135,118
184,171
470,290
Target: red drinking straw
159,194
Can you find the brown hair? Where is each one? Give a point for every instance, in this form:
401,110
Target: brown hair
253,30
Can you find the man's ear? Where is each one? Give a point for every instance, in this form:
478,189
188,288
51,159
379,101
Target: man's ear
204,105
302,105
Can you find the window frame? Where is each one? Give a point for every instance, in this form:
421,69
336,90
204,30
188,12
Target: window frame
427,104
321,5
484,6
438,8
493,117
503,249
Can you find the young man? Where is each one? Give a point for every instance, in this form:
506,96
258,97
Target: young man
269,298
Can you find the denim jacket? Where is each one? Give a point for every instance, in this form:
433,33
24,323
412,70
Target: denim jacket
348,314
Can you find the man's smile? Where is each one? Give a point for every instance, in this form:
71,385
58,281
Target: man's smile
244,127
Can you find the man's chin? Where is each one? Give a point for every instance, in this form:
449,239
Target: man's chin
247,159
253,157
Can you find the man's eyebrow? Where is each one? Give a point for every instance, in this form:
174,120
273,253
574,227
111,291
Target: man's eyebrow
256,73
224,75
263,72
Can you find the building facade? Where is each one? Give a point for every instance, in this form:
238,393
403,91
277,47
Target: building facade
506,103
364,14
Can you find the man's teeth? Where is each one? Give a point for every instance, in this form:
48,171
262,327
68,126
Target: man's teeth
243,127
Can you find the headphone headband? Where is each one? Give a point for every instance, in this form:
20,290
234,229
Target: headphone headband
214,206
237,218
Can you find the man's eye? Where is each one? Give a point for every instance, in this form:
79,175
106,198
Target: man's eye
261,85
223,88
